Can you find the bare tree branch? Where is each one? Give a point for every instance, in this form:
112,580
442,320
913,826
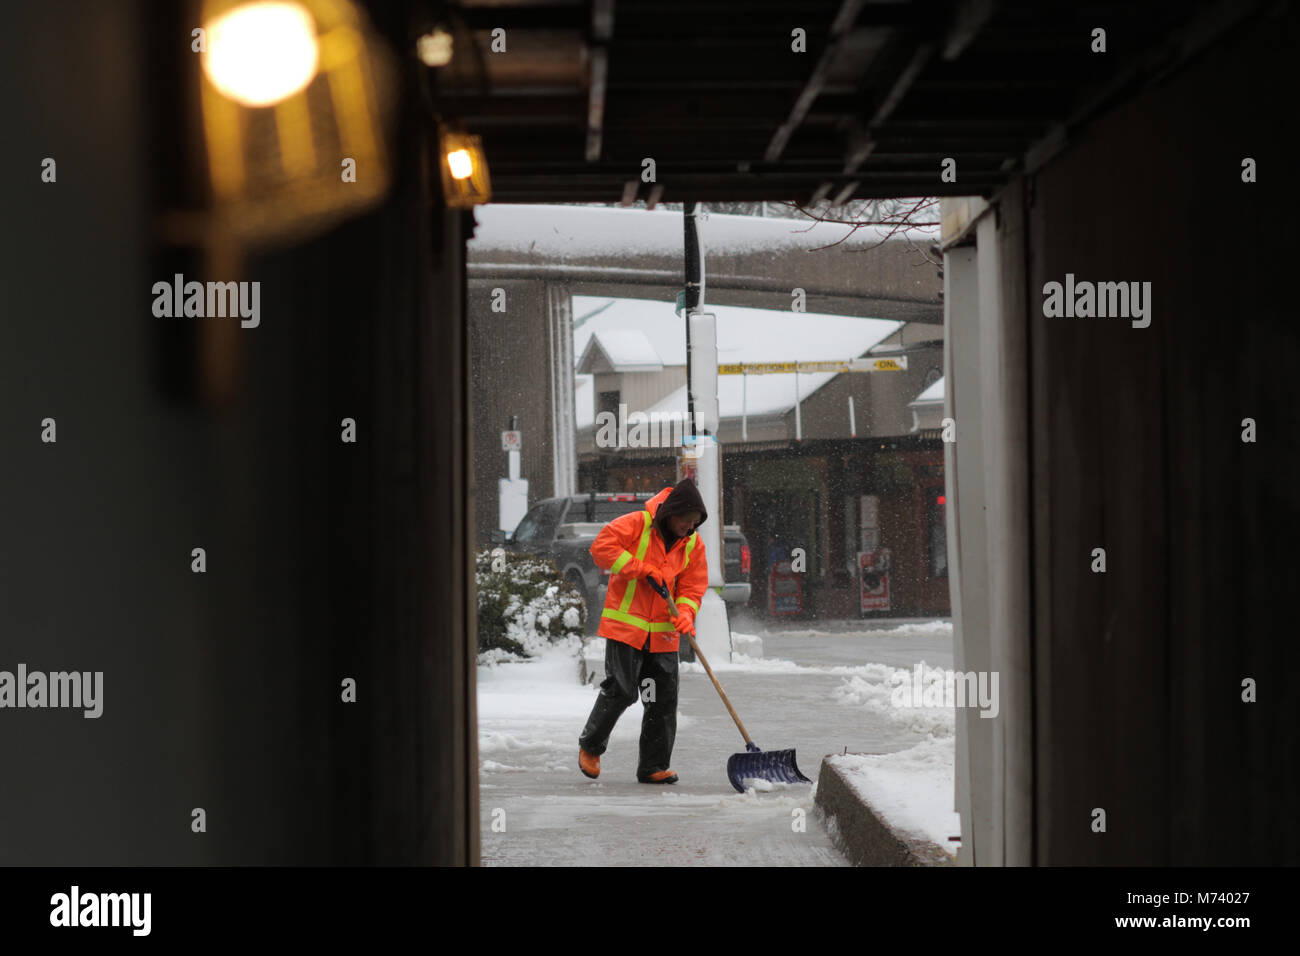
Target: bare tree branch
898,216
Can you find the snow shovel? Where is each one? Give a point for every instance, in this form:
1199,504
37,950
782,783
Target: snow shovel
754,764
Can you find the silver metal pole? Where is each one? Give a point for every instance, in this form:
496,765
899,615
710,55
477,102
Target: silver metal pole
744,406
798,418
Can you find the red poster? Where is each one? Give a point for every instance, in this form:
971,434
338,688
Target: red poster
873,578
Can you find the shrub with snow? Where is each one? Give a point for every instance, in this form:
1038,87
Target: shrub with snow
524,605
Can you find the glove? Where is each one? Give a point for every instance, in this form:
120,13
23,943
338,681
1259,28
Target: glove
644,569
656,571
685,620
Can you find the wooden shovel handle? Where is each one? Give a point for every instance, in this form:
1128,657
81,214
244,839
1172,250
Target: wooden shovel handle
672,610
721,693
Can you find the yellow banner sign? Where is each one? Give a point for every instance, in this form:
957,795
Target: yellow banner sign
787,368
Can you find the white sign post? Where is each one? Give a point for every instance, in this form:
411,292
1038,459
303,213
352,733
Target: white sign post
512,492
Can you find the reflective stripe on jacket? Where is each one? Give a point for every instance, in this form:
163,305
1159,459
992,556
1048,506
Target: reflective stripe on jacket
631,606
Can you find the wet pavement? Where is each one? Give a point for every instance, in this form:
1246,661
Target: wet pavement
537,809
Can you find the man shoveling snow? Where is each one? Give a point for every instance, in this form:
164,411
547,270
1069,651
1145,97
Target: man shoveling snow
658,545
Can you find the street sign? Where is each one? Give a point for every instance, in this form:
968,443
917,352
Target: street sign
512,441
897,363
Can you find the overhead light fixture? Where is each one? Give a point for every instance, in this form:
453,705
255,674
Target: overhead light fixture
461,164
435,47
259,54
296,98
465,180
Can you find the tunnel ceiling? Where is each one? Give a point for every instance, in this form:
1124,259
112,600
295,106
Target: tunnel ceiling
714,93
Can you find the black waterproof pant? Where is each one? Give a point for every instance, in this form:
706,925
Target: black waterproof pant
632,674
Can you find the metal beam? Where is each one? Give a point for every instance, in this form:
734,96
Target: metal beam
848,13
863,140
602,31
967,22
596,102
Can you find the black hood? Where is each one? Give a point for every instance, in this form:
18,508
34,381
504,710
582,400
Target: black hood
683,498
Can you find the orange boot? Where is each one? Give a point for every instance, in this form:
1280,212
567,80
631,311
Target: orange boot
589,764
659,776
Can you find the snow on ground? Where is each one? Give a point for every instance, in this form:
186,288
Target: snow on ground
907,630
527,711
817,692
911,789
546,813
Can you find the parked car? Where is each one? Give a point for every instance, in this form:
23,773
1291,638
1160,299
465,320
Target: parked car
562,529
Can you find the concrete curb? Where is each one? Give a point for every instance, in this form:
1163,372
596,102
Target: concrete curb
863,835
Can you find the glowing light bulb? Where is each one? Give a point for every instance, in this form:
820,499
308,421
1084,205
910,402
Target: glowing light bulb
261,53
435,48
460,163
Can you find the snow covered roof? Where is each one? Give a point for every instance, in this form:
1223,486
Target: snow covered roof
744,335
661,328
619,350
932,395
567,232
751,395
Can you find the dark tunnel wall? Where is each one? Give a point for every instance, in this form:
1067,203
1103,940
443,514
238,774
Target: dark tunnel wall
1137,448
325,560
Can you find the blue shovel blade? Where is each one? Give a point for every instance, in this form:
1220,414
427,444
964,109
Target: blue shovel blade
775,765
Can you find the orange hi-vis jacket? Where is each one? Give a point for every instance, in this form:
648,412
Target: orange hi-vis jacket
632,607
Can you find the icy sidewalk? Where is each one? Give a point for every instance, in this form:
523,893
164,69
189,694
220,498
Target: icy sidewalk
812,692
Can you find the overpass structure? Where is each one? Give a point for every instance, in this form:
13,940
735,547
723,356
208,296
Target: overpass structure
533,260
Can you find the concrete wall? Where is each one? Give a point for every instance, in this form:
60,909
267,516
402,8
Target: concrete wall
847,279
510,374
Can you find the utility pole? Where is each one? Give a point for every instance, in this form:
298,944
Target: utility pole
701,456
694,294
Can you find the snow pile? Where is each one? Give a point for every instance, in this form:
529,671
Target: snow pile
904,632
743,662
750,646
913,629
912,789
888,692
523,630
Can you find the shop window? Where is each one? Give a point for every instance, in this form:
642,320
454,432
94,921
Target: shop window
607,402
